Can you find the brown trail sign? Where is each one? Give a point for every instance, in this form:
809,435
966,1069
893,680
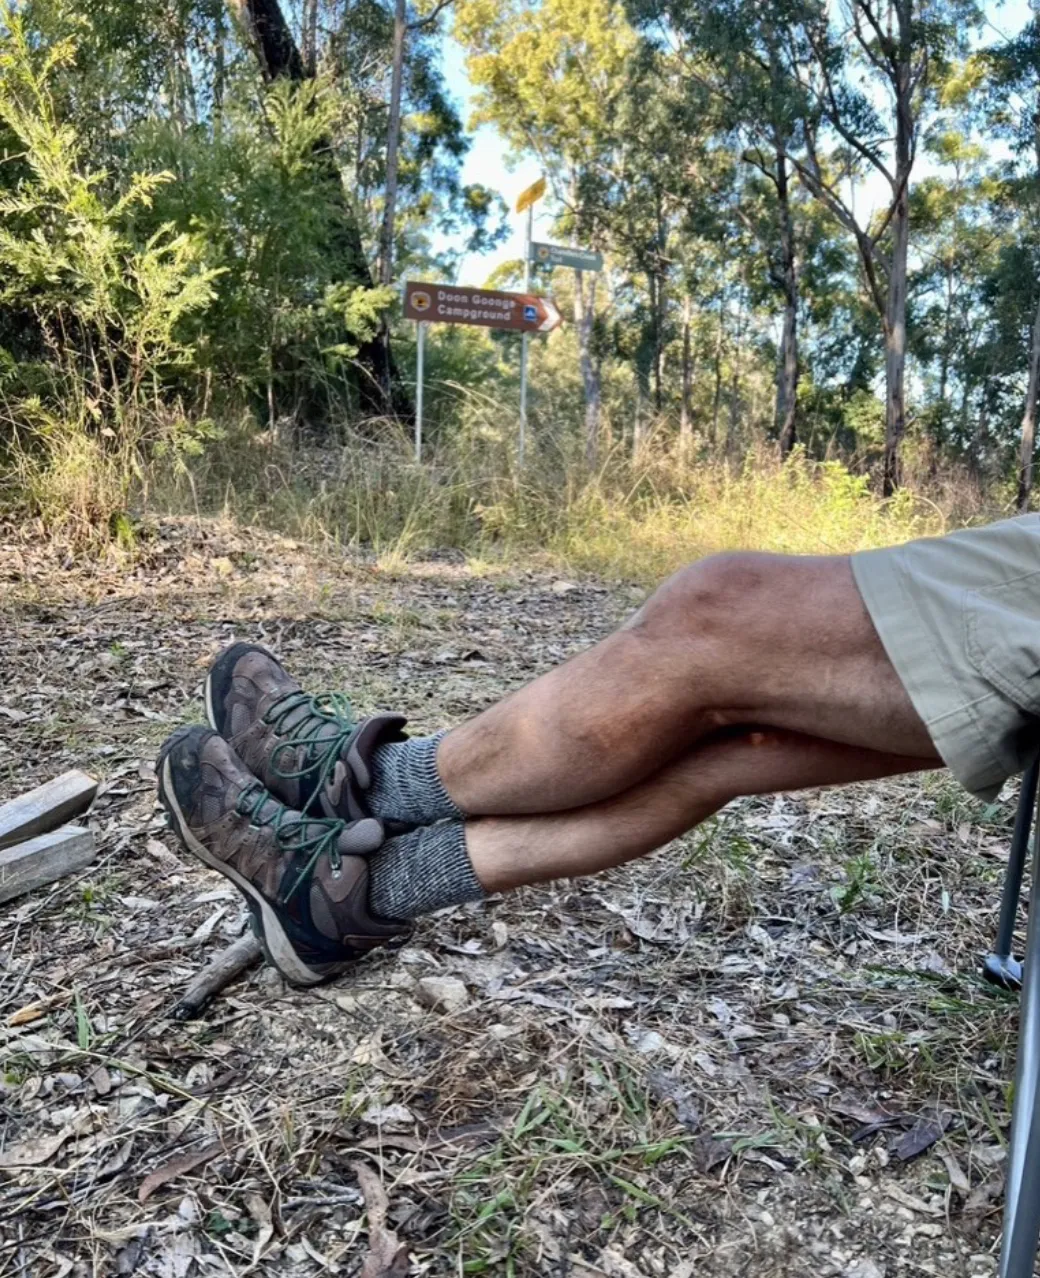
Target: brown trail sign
484,307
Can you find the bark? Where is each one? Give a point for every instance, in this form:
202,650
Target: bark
1028,444
944,363
733,430
386,252
895,350
653,285
642,403
380,387
219,69
584,319
895,302
717,399
686,407
788,369
228,965
310,36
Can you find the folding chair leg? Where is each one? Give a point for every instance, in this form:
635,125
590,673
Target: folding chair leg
1002,968
1022,1201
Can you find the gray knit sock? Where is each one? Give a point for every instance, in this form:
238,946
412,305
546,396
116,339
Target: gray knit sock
406,785
424,870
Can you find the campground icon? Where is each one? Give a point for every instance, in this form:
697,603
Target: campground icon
420,301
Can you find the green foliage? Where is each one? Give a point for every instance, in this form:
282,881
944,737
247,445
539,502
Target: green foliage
106,307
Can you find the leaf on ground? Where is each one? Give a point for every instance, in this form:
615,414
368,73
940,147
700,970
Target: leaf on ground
922,1136
260,1211
177,1167
958,1177
666,1087
983,1196
387,1257
36,1151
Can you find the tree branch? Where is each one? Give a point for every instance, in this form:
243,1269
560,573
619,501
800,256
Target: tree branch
420,23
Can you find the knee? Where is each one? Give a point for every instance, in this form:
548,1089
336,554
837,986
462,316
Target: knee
715,597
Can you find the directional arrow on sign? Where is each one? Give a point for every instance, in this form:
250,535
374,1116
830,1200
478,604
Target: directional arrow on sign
552,317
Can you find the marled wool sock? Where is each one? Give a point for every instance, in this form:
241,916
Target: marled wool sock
422,871
406,785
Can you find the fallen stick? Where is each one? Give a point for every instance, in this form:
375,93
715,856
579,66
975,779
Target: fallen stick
45,808
217,973
42,860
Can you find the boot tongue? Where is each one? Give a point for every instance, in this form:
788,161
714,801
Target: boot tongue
371,733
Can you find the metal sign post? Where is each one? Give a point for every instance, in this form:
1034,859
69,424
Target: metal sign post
419,363
524,342
528,199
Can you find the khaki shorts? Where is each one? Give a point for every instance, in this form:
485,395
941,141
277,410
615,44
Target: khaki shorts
959,617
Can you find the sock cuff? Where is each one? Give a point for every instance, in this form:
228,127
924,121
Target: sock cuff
431,775
406,785
423,871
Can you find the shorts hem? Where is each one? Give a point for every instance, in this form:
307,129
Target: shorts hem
956,733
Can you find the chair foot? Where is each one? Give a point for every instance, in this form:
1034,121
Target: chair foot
1003,971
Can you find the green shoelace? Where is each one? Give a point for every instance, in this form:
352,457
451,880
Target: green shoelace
321,754
324,842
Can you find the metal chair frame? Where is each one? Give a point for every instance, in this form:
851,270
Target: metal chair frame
1022,1196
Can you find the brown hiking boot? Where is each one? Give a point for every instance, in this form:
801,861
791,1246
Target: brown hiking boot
305,879
308,751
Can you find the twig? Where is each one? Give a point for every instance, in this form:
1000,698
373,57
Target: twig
221,971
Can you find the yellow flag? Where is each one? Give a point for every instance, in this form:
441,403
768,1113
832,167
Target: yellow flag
531,196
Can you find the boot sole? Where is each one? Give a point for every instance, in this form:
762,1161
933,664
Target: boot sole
276,945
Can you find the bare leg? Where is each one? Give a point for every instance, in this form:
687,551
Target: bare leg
508,852
736,639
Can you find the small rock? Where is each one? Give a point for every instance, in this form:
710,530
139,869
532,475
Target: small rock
563,587
393,1116
864,1268
443,993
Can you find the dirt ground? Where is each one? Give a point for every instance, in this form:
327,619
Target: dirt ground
764,1051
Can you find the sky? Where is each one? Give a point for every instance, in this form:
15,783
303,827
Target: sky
488,159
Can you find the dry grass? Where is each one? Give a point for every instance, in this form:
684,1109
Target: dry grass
635,522
711,1062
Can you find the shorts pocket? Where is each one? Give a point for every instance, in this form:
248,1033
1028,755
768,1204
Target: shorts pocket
1002,637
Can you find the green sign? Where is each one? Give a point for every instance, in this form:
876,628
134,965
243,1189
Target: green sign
559,255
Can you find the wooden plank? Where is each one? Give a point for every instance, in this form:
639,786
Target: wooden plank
46,807
41,860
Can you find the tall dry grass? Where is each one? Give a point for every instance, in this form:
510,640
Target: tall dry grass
636,521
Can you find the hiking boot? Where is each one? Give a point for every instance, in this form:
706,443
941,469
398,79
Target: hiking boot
305,879
309,751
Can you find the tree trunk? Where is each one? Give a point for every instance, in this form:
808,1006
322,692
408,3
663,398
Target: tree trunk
1028,445
895,302
584,319
787,371
386,251
310,36
380,387
686,407
219,68
944,362
717,399
732,431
